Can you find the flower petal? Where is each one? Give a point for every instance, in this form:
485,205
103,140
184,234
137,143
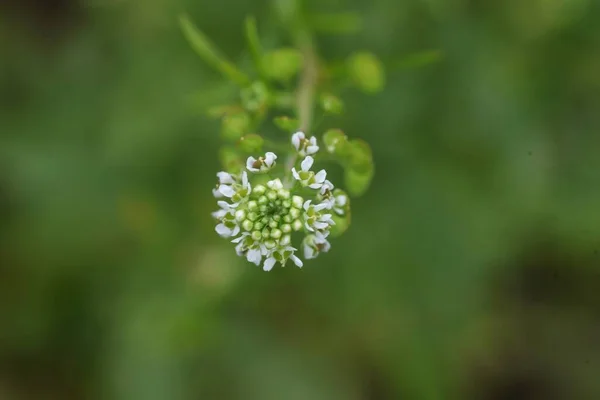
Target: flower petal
296,138
269,263
296,261
307,163
226,190
320,176
225,178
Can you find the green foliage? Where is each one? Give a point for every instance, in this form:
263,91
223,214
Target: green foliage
282,64
366,72
251,143
209,53
331,104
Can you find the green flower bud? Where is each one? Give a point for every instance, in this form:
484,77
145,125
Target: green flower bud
286,228
366,72
259,190
247,225
297,202
276,233
331,104
294,213
263,200
287,218
297,225
283,194
234,126
256,235
285,240
252,216
272,195
270,244
266,233
287,124
258,226
255,97
252,205
273,224
282,64
240,215
251,143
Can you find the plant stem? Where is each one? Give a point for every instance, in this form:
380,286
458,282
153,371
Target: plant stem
307,87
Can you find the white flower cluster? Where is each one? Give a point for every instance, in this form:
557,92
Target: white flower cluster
261,218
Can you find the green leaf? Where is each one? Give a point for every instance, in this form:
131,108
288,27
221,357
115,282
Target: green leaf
254,43
282,64
357,182
209,53
366,72
336,23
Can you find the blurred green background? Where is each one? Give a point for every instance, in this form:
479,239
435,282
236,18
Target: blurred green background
471,270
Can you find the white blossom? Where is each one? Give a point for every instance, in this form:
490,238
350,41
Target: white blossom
315,244
303,145
313,219
308,177
262,164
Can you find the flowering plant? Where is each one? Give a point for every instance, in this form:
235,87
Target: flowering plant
273,204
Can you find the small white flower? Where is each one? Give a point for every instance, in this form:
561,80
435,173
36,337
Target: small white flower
226,208
262,164
303,145
313,219
327,187
307,177
315,244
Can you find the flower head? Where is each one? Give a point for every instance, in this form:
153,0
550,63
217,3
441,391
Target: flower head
260,215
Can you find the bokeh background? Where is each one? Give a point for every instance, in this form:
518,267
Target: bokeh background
472,266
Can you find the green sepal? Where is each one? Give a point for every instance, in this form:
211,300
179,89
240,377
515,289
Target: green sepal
251,143
281,65
366,72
